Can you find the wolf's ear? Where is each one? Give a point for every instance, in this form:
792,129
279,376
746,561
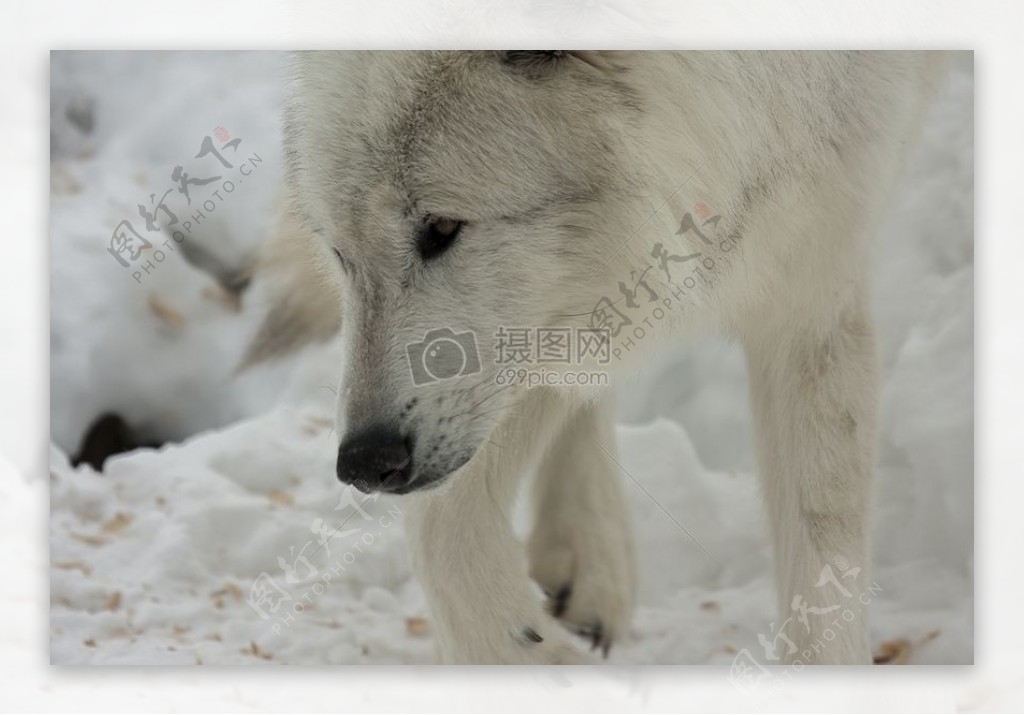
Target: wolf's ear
305,306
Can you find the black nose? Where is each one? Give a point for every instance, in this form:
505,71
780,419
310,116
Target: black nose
375,459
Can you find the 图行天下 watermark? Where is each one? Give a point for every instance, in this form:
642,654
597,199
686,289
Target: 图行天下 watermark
179,212
280,598
654,291
841,602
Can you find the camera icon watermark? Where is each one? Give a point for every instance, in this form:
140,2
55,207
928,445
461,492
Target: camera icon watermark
442,355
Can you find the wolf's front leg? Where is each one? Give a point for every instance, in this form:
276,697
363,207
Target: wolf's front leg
472,567
581,548
814,394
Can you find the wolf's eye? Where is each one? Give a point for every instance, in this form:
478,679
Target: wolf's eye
437,236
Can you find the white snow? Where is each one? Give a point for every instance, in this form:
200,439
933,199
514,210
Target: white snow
154,560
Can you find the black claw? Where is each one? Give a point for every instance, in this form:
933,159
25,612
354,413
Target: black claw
561,602
532,635
606,647
596,636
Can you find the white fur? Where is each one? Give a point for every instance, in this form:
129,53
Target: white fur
566,172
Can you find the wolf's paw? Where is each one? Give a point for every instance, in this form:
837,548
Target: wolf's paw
587,572
518,646
557,649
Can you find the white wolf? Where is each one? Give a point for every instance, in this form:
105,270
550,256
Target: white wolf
447,199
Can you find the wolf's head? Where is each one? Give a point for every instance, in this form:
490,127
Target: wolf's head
459,197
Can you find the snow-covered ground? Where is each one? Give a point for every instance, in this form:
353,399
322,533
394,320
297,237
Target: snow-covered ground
209,550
